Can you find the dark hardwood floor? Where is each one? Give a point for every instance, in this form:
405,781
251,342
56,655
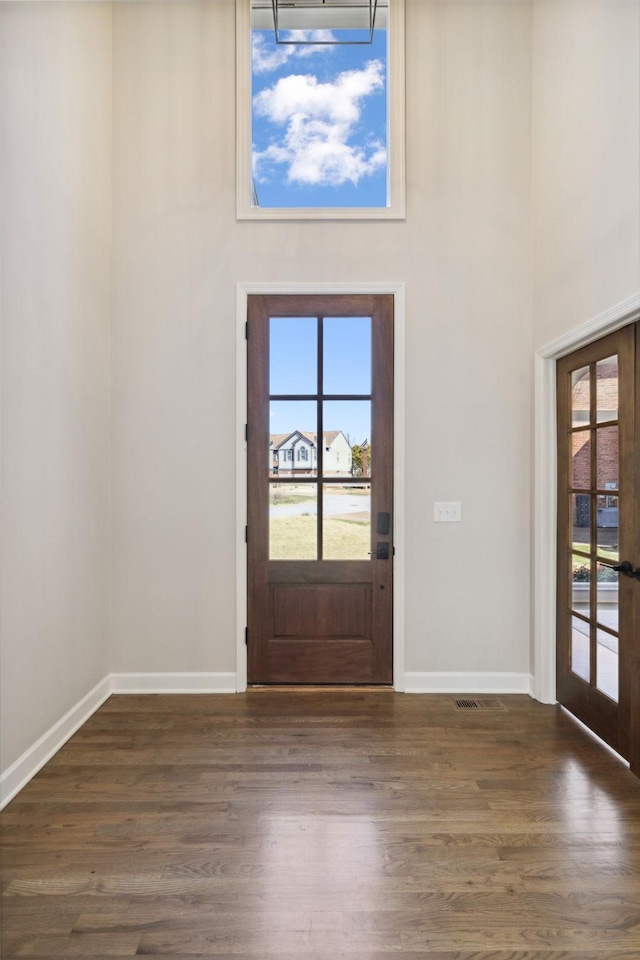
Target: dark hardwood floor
298,825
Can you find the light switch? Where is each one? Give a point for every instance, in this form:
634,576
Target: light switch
447,512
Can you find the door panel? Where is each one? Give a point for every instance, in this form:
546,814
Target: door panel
320,489
599,527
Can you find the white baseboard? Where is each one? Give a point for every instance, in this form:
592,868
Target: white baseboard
468,683
173,683
25,767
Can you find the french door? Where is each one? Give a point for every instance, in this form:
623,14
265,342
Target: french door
320,489
598,640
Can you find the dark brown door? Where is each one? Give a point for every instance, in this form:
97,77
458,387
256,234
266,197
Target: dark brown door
598,648
320,489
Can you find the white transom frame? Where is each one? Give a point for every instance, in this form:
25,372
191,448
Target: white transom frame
393,20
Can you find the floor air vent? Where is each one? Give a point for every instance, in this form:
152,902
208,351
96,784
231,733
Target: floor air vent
478,703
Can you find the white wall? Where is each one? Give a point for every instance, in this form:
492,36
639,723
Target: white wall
586,123
464,253
55,110
173,327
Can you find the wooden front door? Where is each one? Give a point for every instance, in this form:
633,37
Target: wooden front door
598,643
320,489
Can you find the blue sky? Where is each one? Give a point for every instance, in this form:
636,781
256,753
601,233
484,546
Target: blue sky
347,369
319,122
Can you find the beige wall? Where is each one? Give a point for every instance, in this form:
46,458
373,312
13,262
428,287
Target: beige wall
586,124
464,253
55,105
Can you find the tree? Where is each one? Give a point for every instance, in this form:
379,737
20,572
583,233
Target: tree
360,459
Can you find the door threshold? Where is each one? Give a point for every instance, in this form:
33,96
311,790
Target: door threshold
319,688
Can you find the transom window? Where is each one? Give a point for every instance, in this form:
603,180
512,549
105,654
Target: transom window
320,107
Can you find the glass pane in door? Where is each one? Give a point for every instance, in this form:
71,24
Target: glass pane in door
607,610
607,458
292,438
347,429
580,664
580,513
347,355
581,460
607,534
346,521
580,397
607,663
293,355
607,389
580,585
293,512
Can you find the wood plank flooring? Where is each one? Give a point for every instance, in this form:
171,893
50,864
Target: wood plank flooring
319,825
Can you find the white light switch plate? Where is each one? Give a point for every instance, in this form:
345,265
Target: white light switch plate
447,512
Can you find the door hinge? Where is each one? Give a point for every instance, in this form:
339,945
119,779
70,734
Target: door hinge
246,534
246,636
246,330
246,432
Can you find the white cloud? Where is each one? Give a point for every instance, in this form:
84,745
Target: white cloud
264,58
323,37
319,120
267,56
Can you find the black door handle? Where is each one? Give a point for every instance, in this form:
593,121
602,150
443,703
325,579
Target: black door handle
626,568
381,552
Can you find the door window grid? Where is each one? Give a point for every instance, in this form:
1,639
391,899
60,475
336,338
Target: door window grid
593,493
355,485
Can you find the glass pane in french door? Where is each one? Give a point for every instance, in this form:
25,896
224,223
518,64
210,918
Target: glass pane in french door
607,389
580,512
607,663
607,527
580,396
581,459
580,658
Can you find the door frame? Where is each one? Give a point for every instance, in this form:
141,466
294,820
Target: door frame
397,290
545,485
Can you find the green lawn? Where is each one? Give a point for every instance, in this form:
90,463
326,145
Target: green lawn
584,547
294,538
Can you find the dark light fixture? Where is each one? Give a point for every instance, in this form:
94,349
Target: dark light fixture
367,6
